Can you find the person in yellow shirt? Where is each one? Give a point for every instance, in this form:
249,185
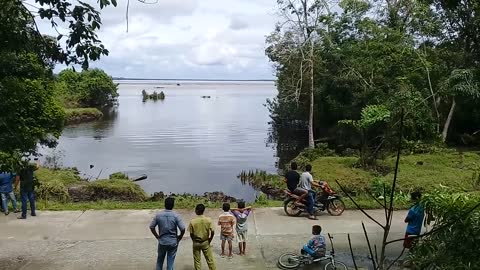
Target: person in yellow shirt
202,232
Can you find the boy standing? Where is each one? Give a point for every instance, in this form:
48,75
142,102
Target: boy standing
316,247
414,219
241,214
6,191
202,232
226,221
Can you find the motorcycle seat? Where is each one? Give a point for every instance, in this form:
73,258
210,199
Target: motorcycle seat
290,194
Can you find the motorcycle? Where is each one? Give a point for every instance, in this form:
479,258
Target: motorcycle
331,201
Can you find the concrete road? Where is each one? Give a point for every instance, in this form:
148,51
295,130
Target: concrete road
121,239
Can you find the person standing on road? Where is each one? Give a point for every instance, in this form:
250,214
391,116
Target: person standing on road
292,178
167,222
27,192
414,219
6,191
202,233
306,183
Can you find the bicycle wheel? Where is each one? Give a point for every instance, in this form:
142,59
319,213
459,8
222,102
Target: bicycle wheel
289,261
335,265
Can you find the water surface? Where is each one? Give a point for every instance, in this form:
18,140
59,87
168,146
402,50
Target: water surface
185,143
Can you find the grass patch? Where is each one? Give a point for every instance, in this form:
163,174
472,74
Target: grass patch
65,185
77,115
116,189
426,172
180,203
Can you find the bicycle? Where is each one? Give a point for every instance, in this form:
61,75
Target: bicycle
293,261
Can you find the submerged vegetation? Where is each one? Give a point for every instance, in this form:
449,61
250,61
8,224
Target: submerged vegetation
154,96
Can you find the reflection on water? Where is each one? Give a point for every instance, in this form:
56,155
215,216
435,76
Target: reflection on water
184,144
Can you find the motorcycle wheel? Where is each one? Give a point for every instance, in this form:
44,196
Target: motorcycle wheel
336,207
291,209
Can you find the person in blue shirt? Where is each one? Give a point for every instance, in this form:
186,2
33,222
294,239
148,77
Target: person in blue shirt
6,191
414,219
316,246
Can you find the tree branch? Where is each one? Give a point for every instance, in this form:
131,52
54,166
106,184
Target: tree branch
358,206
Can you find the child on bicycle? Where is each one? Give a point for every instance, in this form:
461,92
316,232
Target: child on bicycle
316,247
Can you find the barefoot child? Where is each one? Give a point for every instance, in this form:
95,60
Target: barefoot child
226,221
241,213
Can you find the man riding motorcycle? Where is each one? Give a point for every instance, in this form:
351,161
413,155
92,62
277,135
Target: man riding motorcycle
306,183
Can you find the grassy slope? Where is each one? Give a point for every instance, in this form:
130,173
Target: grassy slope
450,169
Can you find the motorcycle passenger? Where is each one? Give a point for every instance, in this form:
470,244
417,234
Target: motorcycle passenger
292,178
306,183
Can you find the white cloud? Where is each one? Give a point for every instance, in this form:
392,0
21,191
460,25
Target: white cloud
187,39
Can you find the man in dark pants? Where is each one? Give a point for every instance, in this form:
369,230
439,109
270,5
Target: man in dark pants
27,192
292,178
168,239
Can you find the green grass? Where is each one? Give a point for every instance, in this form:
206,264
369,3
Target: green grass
180,203
82,114
53,185
65,176
116,189
451,169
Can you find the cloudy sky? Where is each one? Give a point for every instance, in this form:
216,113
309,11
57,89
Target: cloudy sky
211,39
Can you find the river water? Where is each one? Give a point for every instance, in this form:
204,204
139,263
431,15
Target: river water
185,143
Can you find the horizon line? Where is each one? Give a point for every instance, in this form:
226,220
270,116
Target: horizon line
180,79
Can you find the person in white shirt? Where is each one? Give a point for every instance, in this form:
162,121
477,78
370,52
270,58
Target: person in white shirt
306,183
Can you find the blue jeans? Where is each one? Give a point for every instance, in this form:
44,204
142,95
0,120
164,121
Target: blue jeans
309,251
310,202
170,252
30,196
10,195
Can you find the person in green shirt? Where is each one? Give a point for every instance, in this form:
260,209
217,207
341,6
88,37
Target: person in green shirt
202,232
27,192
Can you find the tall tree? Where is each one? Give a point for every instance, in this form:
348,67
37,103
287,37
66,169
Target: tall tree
293,42
30,114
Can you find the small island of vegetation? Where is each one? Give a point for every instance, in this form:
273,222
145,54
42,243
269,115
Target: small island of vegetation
154,96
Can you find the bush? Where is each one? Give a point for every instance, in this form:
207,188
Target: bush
308,155
419,147
89,88
53,184
116,189
118,175
455,246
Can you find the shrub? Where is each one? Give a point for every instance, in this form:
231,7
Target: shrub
118,175
116,189
456,244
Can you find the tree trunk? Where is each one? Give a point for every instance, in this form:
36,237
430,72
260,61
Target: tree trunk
311,142
449,120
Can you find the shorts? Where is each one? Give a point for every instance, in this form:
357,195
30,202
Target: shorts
242,236
409,242
226,237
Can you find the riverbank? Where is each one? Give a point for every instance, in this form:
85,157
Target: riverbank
122,240
63,189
